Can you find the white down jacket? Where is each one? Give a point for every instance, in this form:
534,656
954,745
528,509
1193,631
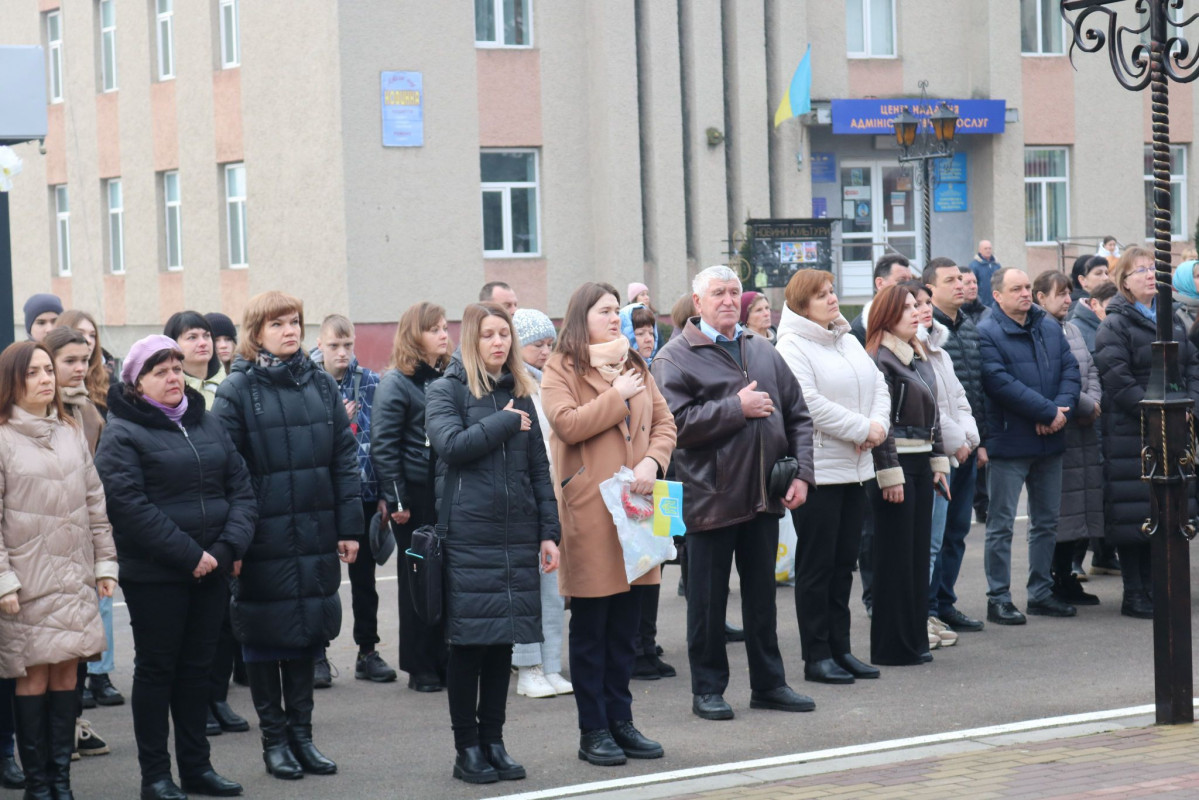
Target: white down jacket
844,391
957,422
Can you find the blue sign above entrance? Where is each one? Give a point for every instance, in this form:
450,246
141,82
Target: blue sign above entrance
874,116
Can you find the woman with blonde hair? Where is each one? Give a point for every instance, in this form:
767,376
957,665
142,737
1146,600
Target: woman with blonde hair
606,413
404,466
98,376
495,496
287,420
56,551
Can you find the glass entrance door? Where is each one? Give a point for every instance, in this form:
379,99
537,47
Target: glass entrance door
879,215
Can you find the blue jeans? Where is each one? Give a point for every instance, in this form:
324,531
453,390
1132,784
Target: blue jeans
1043,478
949,536
549,652
106,664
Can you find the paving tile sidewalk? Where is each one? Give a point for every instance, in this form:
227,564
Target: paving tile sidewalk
1148,761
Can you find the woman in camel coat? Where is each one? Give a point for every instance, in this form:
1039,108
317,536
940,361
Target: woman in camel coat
606,413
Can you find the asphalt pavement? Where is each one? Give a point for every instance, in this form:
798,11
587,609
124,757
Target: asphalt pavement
391,742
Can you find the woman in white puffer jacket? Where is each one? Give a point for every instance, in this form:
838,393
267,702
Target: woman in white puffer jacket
850,406
959,432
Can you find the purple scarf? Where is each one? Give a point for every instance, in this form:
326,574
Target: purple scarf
175,414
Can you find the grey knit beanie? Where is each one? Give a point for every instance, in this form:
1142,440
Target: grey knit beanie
532,326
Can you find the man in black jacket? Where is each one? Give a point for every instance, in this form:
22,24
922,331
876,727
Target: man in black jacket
944,280
739,410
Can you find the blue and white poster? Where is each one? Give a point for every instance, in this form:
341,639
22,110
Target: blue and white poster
403,109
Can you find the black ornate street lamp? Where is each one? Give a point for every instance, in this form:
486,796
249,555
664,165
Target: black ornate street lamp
925,139
1167,430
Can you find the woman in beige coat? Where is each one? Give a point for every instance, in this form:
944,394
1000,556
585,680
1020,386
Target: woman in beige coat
56,551
606,413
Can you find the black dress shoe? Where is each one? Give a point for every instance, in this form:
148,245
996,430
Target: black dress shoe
164,789
644,669
711,706
826,671
856,667
926,657
228,719
732,633
959,622
425,683
1051,607
281,763
105,693
1137,605
1068,589
783,698
664,669
1004,614
472,766
211,784
633,742
599,748
505,767
212,727
11,776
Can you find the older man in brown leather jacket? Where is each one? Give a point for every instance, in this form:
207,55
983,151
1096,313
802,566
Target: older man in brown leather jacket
738,409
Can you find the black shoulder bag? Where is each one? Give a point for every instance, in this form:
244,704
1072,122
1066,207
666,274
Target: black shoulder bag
425,563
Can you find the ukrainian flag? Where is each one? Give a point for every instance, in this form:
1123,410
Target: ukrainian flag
798,99
668,509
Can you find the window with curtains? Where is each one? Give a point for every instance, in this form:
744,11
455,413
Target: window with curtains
511,218
503,23
870,28
1178,192
1042,32
1046,194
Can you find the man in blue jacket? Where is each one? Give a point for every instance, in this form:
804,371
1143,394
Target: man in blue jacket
1031,382
984,266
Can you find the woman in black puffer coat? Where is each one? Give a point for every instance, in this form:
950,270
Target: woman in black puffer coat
402,457
183,512
503,522
286,418
1123,354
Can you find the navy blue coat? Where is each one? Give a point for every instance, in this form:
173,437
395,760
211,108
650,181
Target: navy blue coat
1028,372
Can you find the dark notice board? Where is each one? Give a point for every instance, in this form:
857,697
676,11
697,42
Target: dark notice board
776,248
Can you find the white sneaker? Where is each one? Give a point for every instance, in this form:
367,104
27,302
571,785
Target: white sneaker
560,684
934,641
532,683
945,633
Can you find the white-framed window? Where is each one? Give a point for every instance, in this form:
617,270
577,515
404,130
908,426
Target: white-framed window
1042,32
1178,192
116,226
108,45
511,214
62,227
230,34
164,18
1046,194
870,28
503,23
172,219
54,54
235,208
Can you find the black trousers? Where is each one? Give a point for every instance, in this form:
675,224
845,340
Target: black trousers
477,687
422,646
364,599
646,643
227,651
1136,568
175,631
899,624
603,635
710,554
827,528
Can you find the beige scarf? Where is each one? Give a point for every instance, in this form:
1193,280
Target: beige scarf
609,358
74,397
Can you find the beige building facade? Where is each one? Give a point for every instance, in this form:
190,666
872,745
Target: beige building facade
201,151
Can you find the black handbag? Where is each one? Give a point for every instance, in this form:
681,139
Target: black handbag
784,471
425,562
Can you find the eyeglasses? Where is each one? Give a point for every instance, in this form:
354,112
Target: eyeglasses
1142,270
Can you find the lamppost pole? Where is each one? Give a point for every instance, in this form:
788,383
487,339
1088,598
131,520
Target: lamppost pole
1167,430
917,143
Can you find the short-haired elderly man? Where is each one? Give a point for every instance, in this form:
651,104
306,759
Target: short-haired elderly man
739,409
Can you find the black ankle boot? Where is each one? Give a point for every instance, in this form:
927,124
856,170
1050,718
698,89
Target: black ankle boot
267,691
505,767
30,713
298,685
62,742
311,760
472,766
